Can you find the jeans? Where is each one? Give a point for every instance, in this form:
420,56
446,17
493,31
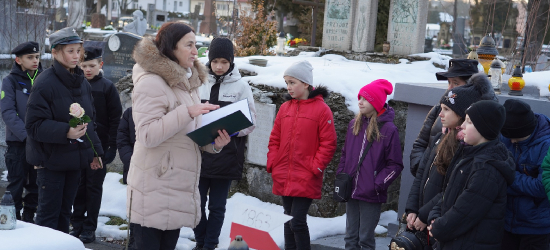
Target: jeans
215,191
21,175
296,230
361,220
512,241
56,193
148,238
88,199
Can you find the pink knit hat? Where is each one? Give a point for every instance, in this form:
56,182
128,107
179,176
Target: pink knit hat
376,93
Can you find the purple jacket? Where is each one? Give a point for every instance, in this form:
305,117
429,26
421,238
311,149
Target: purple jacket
382,164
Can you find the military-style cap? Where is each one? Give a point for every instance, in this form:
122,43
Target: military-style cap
26,48
64,36
91,53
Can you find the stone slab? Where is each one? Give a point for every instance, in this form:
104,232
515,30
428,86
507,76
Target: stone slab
118,62
258,140
337,27
407,26
337,242
364,25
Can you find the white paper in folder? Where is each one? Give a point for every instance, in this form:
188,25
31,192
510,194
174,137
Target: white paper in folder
217,114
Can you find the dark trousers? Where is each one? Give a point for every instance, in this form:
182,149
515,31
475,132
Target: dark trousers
215,191
21,175
361,219
56,193
296,230
88,199
147,238
512,241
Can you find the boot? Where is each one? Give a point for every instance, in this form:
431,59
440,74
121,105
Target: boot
87,236
18,214
302,240
75,232
28,215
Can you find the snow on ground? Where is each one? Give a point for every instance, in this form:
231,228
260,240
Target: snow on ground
341,75
540,79
5,175
37,237
114,203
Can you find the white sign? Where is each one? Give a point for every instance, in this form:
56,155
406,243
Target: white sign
259,218
258,140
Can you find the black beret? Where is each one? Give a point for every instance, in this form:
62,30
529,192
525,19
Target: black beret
26,48
91,53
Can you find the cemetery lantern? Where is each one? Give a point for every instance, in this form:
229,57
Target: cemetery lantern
281,41
487,51
495,74
516,82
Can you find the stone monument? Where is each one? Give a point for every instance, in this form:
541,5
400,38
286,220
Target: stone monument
117,55
337,32
364,25
138,26
77,12
258,140
407,26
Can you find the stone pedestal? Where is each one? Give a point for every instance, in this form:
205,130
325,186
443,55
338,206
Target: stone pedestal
98,20
364,25
407,26
258,140
117,55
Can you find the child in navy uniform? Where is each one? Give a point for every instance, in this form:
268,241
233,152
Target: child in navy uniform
108,111
16,88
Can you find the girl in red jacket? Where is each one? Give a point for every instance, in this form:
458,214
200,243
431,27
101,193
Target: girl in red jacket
301,145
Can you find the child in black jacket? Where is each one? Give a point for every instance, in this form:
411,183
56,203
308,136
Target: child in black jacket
470,215
108,111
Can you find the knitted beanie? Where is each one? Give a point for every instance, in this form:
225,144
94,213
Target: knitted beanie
221,47
488,117
376,93
460,98
302,71
520,119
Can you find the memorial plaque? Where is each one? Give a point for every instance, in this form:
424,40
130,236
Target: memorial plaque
117,55
407,26
337,28
258,140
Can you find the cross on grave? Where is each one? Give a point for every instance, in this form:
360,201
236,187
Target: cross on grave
315,5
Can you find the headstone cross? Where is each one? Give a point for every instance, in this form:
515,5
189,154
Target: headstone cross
315,5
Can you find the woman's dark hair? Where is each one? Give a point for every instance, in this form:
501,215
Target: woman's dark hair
168,37
446,149
465,78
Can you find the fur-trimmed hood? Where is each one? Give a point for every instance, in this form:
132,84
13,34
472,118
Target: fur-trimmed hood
320,90
148,57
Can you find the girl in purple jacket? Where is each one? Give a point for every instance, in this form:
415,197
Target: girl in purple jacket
382,163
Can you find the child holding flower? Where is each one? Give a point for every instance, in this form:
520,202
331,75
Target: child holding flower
58,150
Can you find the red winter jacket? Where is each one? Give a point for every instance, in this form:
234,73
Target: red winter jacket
301,145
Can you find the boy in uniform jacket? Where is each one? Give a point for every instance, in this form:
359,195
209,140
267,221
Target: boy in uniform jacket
108,111
16,88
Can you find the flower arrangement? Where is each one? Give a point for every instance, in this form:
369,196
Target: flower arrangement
295,42
79,117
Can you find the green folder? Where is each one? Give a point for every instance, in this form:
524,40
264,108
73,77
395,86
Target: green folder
232,123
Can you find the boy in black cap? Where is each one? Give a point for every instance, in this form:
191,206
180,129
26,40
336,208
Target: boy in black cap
108,111
16,88
224,87
471,213
527,137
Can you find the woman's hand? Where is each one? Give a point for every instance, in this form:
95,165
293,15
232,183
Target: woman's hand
430,228
419,225
79,131
221,140
201,108
410,220
96,164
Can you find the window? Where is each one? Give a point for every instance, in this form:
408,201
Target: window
181,4
175,6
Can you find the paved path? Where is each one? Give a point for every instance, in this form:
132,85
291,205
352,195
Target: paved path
337,243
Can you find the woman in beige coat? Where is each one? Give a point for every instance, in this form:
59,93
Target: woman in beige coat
165,167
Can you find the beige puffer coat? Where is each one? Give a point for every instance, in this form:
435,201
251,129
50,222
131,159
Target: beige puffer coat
166,164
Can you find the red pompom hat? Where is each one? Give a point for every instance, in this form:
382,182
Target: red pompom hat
376,93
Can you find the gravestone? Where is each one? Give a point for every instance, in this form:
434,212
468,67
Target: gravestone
117,55
364,25
258,140
98,20
407,26
337,28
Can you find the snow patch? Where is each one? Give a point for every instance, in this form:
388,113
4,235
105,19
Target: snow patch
37,237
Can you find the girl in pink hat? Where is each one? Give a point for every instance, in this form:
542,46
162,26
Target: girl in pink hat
373,135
